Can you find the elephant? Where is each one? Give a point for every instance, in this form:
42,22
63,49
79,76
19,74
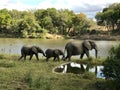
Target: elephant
30,50
54,53
78,48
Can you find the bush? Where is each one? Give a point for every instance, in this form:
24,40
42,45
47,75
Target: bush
112,64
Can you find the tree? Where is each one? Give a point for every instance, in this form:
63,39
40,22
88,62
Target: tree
5,21
28,26
47,24
65,21
81,23
109,16
16,16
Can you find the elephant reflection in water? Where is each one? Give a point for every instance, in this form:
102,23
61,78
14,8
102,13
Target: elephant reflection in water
78,48
77,68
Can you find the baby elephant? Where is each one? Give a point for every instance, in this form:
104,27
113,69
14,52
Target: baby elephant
54,53
30,50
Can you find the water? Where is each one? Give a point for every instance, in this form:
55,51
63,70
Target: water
72,67
13,46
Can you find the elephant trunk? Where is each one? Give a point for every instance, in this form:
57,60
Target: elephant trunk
41,51
43,54
63,58
96,52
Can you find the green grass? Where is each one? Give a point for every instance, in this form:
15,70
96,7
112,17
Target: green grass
38,75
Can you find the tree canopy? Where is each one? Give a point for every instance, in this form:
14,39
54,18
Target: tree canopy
32,23
110,17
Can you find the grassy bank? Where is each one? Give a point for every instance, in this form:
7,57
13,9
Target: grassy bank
38,75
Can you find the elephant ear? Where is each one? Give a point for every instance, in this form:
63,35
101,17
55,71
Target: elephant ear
34,49
56,52
87,45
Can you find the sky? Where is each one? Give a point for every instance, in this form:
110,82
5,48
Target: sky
89,7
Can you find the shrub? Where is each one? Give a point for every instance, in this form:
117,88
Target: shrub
112,64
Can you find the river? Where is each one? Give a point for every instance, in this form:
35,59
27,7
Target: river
13,45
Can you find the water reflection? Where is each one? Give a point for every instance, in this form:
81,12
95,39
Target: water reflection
76,68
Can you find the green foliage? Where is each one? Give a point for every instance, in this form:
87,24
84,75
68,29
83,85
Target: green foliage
5,21
112,64
30,24
81,23
109,17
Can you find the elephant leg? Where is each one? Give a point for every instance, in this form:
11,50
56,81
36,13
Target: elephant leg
58,58
69,54
87,53
37,56
81,55
24,57
68,57
47,59
54,59
31,56
20,57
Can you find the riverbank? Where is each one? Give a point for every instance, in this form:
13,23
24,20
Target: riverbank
81,37
98,37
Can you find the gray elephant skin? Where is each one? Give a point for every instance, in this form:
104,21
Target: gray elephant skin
54,53
80,48
30,51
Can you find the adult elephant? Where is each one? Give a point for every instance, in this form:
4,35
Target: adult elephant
78,48
54,53
30,50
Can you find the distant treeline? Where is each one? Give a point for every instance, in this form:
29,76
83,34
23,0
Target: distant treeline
34,23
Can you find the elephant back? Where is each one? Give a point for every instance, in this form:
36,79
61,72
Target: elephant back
25,49
49,52
74,47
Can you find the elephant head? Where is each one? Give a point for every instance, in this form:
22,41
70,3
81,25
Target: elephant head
89,45
61,53
38,50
